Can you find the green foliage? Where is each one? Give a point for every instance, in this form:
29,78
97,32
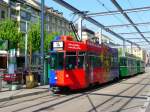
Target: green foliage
3,45
48,39
34,37
9,31
71,34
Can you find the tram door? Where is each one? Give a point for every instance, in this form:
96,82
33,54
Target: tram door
89,68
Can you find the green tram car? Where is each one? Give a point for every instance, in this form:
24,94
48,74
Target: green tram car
129,66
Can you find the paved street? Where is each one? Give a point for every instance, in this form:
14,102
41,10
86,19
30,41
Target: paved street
127,95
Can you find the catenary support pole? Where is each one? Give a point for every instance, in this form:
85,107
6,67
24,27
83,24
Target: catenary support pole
26,47
131,48
124,48
42,43
80,27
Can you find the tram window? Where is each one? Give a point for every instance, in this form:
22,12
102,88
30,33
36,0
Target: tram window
94,61
81,59
114,62
56,60
99,62
129,62
123,62
60,61
53,63
70,60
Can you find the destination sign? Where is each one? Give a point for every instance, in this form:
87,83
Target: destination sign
58,45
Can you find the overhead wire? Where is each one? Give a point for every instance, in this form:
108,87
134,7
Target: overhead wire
103,5
137,14
109,10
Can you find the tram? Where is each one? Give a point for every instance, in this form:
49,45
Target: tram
77,65
130,65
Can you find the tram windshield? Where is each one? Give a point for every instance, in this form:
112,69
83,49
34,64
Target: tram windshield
71,60
57,60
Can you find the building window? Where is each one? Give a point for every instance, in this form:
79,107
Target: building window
25,15
56,21
14,12
47,18
53,20
23,26
47,28
2,14
33,19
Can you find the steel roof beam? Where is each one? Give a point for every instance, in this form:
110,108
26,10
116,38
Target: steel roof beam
127,25
140,41
136,38
75,10
128,18
130,33
117,12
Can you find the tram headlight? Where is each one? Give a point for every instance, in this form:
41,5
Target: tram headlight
55,78
67,75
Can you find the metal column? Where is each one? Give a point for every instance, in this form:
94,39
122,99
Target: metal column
124,48
80,27
42,43
26,43
131,48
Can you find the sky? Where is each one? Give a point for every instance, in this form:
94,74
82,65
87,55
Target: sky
94,6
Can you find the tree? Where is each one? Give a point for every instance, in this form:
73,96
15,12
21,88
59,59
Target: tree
9,31
48,39
34,39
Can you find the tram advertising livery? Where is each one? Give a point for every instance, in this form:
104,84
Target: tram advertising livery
77,65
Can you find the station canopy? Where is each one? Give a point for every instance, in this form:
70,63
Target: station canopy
127,18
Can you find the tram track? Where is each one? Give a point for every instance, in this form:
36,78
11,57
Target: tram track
71,94
60,99
110,99
83,94
15,101
117,100
47,97
125,104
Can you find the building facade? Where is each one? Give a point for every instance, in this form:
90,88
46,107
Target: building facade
29,11
3,44
87,34
25,12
